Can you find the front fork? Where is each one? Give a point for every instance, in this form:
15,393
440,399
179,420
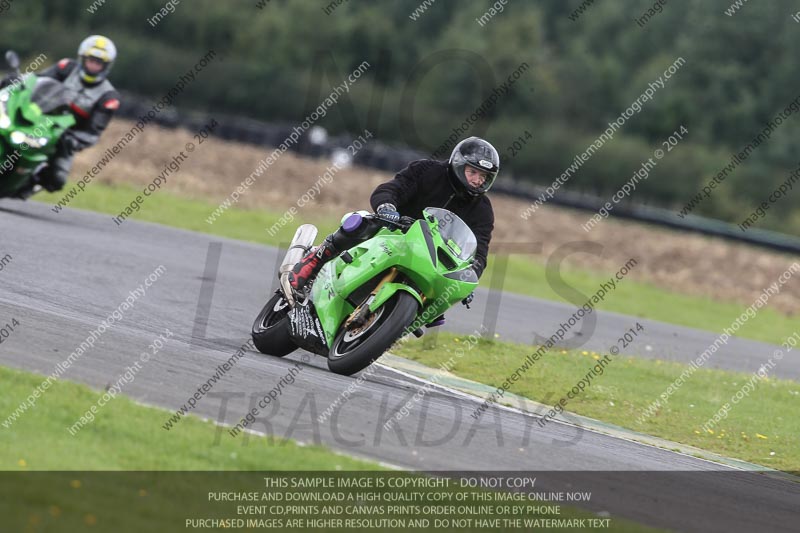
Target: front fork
361,313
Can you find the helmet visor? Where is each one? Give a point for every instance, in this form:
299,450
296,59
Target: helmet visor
489,178
93,65
481,156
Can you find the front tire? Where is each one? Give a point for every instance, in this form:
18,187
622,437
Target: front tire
271,328
355,349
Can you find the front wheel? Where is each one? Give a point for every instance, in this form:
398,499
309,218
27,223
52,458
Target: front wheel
271,328
356,348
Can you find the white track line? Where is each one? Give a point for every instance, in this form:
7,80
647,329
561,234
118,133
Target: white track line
476,399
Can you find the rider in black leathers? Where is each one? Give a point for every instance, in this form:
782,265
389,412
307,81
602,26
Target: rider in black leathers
458,185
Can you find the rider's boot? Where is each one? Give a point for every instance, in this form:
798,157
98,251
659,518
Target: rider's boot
310,265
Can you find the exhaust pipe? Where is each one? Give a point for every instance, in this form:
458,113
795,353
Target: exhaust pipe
302,242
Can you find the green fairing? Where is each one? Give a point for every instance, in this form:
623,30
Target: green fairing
26,118
407,252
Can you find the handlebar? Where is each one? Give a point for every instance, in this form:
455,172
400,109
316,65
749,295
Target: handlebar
404,223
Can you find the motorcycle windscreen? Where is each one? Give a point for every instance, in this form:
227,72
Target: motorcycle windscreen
455,232
50,95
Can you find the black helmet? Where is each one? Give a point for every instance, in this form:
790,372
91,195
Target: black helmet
479,154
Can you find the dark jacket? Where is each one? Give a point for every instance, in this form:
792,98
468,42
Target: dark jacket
428,183
94,105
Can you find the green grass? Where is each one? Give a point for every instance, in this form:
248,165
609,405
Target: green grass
188,213
78,483
523,276
762,428
128,436
123,436
646,301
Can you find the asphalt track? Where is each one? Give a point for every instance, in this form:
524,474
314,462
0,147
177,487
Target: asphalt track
69,271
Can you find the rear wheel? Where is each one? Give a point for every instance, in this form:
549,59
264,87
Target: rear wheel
271,328
357,347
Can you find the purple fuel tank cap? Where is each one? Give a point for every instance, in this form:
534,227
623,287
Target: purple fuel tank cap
352,222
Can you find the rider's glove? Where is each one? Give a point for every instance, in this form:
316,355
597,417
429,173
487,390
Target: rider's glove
407,221
388,212
468,300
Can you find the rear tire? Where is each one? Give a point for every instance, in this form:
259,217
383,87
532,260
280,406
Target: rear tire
351,353
271,328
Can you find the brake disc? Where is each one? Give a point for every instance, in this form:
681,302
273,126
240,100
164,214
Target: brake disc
354,333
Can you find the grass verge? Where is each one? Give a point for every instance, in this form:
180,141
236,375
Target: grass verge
760,428
63,483
129,436
523,275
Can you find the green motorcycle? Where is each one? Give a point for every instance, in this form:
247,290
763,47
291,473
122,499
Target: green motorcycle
34,114
363,301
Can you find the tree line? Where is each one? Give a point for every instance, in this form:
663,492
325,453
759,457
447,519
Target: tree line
433,75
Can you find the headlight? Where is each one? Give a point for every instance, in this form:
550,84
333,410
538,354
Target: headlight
17,137
5,120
